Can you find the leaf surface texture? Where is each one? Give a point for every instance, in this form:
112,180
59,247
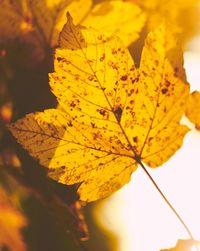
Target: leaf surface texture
113,114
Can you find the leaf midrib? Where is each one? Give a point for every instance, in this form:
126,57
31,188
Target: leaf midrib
136,156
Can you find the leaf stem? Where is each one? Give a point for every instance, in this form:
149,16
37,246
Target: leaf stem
167,201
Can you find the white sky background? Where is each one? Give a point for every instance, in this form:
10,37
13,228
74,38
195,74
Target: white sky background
137,214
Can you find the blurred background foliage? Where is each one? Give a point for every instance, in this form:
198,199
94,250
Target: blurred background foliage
37,213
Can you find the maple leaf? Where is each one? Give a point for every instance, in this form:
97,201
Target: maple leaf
11,222
38,22
113,115
183,245
193,109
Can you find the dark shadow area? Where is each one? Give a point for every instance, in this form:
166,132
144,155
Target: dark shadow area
52,224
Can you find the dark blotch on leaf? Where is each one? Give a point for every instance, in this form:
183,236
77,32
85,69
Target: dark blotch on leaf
135,139
118,113
164,90
124,78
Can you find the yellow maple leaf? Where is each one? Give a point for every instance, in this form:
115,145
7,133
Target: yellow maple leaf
11,222
193,109
38,22
113,116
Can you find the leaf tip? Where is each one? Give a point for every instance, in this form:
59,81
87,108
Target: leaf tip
69,17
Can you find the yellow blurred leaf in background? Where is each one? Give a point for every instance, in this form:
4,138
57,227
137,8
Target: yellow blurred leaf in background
11,223
184,245
123,19
193,109
181,15
114,115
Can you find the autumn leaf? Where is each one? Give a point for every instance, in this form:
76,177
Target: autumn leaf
124,19
183,245
11,223
193,109
39,22
172,12
114,116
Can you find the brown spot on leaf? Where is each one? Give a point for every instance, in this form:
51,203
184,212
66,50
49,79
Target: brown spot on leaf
167,83
103,57
118,113
124,78
91,77
114,51
164,90
73,104
144,73
59,59
104,113
150,139
135,139
176,71
70,124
